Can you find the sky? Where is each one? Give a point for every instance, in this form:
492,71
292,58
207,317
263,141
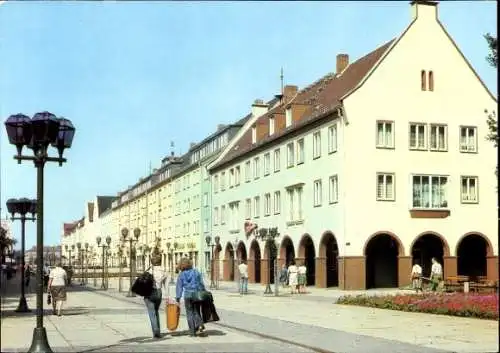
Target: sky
133,76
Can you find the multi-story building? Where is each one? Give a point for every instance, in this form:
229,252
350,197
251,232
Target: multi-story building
368,169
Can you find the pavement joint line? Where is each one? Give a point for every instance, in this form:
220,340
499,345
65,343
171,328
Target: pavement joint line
256,333
59,331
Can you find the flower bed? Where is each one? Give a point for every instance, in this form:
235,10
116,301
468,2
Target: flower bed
482,306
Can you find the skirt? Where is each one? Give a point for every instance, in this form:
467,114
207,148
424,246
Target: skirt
302,280
58,293
292,279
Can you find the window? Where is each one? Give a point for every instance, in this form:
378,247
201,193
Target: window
431,81
234,210
418,137
430,191
271,126
332,139
469,189
288,117
318,193
216,183
294,195
385,134
248,171
277,202
267,164
468,140
385,187
223,215
439,138
300,151
254,134
223,181
277,160
248,208
333,190
205,199
423,80
290,160
267,204
216,215
317,144
237,176
256,168
231,177
256,206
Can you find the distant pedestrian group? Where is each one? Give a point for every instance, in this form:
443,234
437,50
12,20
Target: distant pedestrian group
435,278
295,277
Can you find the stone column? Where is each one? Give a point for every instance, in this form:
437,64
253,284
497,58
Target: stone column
281,262
492,268
299,260
352,273
449,266
251,270
404,270
264,271
320,275
226,270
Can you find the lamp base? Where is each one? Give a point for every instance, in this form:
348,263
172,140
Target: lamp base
23,306
40,344
268,289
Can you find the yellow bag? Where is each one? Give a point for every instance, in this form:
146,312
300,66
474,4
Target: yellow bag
173,312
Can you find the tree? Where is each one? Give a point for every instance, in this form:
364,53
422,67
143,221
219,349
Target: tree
492,59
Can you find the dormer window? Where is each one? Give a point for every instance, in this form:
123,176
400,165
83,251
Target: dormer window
431,81
254,134
423,80
271,126
288,117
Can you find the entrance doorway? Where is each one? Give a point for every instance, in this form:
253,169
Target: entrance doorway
287,251
309,254
424,249
381,254
471,256
329,249
255,263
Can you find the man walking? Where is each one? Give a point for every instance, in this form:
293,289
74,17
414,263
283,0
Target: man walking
243,269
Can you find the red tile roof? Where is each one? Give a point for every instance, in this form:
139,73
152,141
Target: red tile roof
321,97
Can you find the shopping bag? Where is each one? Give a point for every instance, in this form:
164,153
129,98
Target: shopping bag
49,299
173,312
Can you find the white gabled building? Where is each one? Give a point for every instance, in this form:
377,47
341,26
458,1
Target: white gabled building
369,169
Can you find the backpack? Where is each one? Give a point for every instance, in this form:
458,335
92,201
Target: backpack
143,284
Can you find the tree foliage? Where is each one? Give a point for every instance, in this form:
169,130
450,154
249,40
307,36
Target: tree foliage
492,57
491,120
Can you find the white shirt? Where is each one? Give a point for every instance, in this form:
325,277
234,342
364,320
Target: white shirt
302,270
58,277
292,269
159,276
243,268
437,269
416,269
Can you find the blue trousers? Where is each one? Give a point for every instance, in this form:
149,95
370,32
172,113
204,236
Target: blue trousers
153,305
244,285
193,314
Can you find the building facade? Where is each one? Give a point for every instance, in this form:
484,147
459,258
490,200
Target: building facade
368,170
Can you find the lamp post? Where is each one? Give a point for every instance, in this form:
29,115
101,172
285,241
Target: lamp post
38,133
22,206
94,265
131,240
268,236
171,262
176,246
103,246
80,258
235,265
208,239
145,252
120,266
86,263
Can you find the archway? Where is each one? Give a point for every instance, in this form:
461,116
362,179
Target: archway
241,251
308,253
329,250
229,263
254,265
287,250
425,247
381,252
472,251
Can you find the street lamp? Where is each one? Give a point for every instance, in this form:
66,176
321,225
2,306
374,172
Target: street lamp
145,252
38,133
208,239
80,258
268,236
171,262
235,265
103,246
22,206
120,266
86,258
131,240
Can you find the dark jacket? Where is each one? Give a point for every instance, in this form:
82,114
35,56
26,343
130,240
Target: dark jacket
208,311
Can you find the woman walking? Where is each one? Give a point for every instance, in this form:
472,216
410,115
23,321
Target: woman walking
293,277
56,287
154,300
189,283
302,277
283,276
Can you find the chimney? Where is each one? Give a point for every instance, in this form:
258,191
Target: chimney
342,63
289,91
259,108
424,10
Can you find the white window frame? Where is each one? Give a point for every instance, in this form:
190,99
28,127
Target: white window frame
317,144
277,160
332,138
383,195
231,177
256,207
267,164
267,204
317,193
443,204
248,171
288,117
465,196
254,134
290,155
333,189
467,146
271,126
222,181
248,208
416,146
300,151
237,176
216,184
223,214
277,202
256,168
387,141
434,130
216,216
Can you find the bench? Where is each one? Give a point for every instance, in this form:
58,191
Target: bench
484,286
455,283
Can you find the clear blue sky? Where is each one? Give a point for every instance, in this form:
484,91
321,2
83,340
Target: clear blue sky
134,76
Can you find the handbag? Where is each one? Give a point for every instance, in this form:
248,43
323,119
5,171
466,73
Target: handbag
49,299
143,284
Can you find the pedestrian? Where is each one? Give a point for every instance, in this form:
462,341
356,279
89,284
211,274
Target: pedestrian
416,276
46,274
293,277
27,275
189,282
153,301
283,276
243,269
56,287
436,274
302,277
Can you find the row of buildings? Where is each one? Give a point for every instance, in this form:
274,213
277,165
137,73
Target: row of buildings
372,167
